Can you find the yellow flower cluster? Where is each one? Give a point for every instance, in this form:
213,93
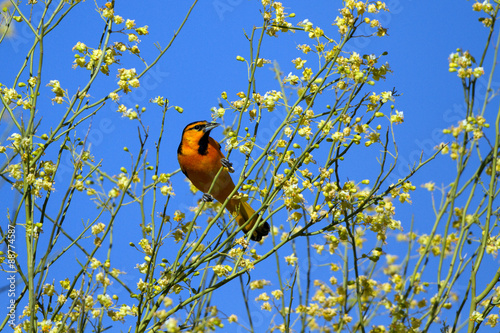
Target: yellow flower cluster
461,63
403,192
275,17
436,243
81,302
291,192
97,229
488,9
11,96
259,284
492,320
326,305
38,177
56,88
397,118
146,246
492,245
291,259
222,270
474,125
359,69
484,6
128,78
354,10
90,58
313,32
238,255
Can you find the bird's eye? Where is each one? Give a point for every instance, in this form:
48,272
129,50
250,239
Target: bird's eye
197,127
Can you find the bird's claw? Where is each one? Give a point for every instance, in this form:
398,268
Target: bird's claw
225,163
207,197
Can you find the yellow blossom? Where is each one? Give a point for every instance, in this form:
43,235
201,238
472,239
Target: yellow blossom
259,284
291,259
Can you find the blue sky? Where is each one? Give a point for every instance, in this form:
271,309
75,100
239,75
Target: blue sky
202,63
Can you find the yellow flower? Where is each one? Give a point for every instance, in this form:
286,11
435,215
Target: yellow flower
114,193
118,19
299,63
135,49
129,24
32,81
259,284
80,47
167,190
397,118
61,299
114,96
291,259
262,297
79,185
46,325
277,294
316,33
128,78
48,289
108,12
132,38
304,48
266,306
98,228
476,316
492,320
429,186
222,270
478,72
306,74
142,30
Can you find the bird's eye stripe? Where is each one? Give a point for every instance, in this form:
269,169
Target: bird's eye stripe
197,127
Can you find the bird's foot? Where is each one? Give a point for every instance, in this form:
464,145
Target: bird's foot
207,197
225,163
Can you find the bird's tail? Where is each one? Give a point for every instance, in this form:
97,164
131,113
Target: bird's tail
245,211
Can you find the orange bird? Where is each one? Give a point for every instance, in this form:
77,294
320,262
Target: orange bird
201,159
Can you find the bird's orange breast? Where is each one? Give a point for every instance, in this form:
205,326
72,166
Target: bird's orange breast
202,169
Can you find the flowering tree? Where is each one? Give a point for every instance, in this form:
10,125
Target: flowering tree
330,244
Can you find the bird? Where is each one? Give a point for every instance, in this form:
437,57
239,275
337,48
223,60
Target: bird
200,159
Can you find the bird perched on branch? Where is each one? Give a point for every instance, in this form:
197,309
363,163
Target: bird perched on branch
200,159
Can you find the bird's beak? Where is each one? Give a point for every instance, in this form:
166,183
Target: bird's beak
210,126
